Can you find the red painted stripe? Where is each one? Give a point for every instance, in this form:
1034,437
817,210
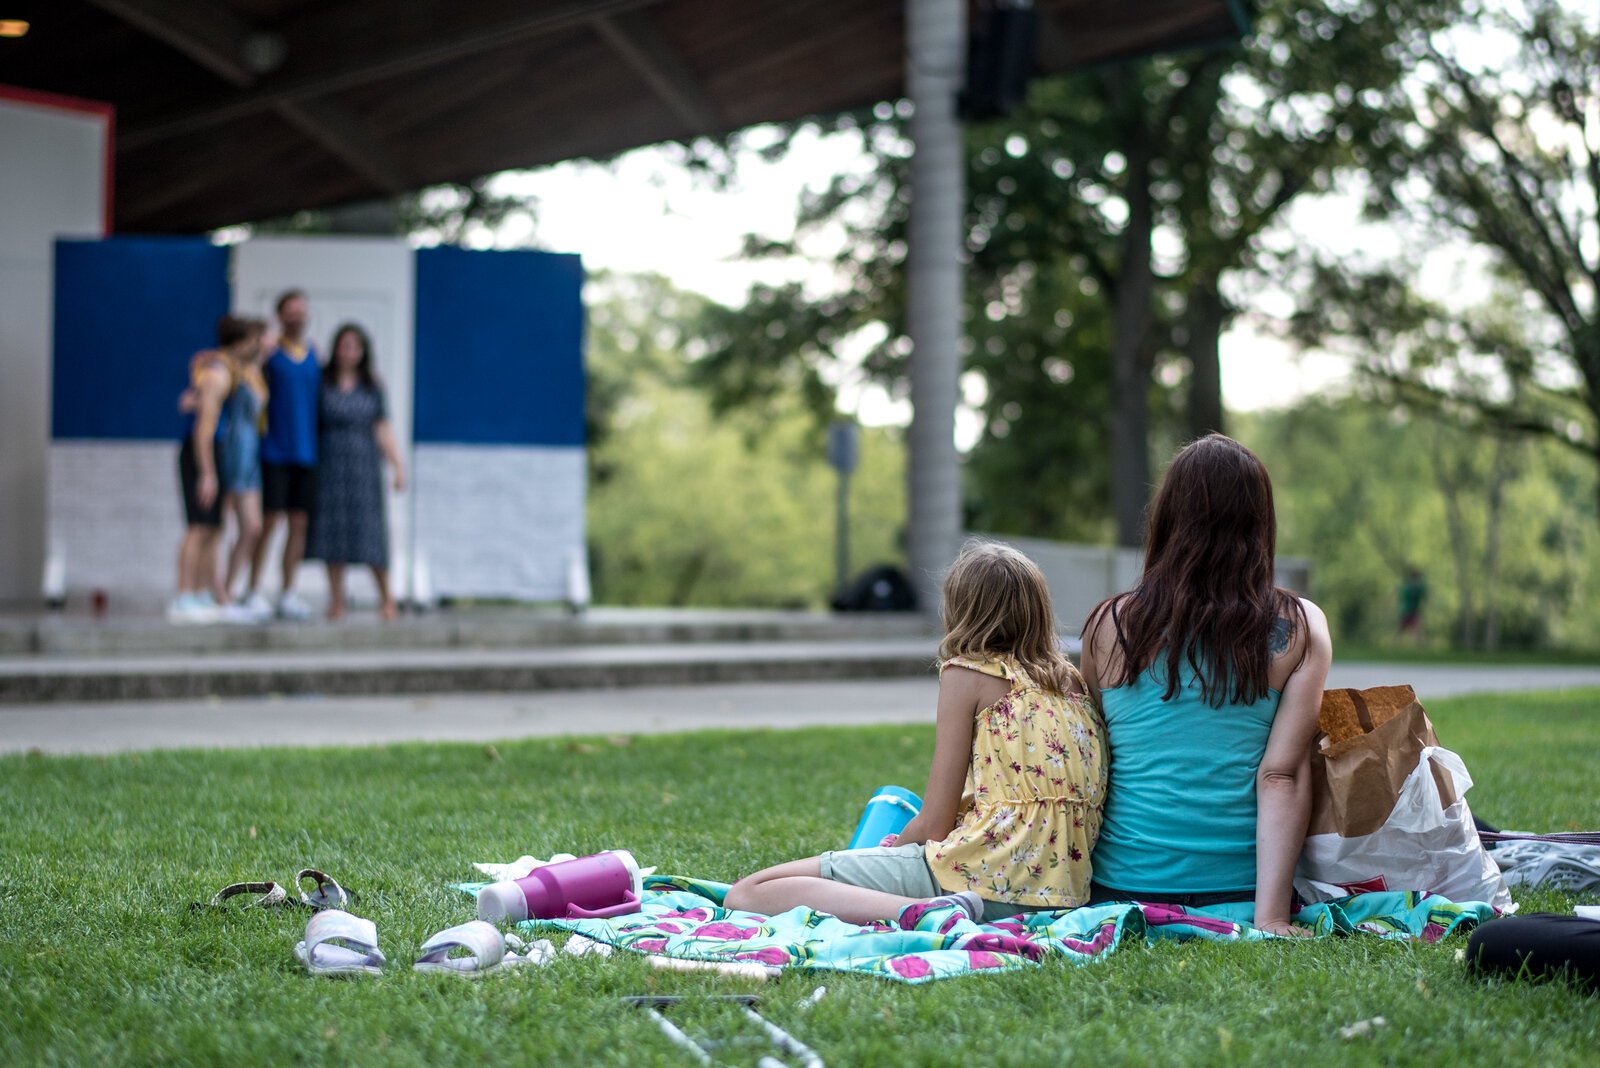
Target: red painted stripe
55,100
108,183
107,113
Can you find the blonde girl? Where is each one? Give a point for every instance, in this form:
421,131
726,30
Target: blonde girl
1014,796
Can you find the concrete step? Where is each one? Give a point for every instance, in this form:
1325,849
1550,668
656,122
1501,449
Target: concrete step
30,680
77,636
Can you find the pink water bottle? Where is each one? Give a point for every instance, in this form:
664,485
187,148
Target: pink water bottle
594,887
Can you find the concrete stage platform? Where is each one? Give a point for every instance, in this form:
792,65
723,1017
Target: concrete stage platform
80,635
77,658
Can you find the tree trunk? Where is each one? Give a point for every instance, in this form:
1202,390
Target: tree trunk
1130,382
1597,480
1499,473
1456,526
1204,319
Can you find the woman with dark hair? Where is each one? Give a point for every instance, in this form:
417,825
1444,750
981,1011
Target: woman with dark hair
349,525
1210,679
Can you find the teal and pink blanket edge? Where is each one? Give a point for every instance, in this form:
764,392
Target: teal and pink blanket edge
684,917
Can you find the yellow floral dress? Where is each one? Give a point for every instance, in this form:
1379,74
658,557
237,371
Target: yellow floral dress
1035,791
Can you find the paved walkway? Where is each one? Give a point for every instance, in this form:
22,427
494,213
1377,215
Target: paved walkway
324,721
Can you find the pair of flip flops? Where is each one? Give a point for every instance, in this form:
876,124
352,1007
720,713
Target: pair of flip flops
338,943
325,893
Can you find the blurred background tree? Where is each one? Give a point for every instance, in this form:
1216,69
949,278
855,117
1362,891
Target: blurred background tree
1495,148
1366,491
1108,218
689,507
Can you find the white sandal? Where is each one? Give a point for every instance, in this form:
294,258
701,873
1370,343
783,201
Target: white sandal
485,946
338,943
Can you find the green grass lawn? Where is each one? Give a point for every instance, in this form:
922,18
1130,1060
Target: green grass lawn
1400,651
102,962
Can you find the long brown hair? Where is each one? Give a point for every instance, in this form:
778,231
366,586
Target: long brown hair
1206,595
997,603
364,371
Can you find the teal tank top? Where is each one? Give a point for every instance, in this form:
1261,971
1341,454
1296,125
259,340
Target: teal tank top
1180,813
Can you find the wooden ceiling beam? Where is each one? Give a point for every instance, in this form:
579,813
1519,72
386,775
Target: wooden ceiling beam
217,39
419,55
633,36
208,33
349,140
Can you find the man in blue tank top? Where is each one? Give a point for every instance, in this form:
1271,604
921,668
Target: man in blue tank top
288,451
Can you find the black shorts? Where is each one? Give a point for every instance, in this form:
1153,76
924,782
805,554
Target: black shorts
288,488
189,481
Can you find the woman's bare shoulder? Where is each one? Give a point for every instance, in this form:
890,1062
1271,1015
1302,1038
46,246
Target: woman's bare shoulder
1101,625
1100,651
1295,635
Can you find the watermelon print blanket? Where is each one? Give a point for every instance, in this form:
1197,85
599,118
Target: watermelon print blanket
683,917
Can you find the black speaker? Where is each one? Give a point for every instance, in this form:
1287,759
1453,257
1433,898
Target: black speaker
884,588
1000,61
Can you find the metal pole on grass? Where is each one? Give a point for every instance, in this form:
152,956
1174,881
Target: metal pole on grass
844,453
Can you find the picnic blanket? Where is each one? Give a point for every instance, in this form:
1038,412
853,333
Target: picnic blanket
683,917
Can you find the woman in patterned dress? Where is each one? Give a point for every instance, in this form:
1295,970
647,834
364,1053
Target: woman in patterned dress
349,525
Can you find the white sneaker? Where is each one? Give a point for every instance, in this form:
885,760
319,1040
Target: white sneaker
292,607
191,608
178,609
258,605
237,613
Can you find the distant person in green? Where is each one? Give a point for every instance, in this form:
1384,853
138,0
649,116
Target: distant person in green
1413,592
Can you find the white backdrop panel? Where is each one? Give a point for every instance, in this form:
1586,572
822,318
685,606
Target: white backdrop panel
115,518
500,521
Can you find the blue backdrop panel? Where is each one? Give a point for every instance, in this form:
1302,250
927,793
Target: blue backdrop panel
499,344
129,313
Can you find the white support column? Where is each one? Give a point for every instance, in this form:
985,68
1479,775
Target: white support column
936,51
52,184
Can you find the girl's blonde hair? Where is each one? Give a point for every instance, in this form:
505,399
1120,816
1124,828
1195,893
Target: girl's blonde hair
996,603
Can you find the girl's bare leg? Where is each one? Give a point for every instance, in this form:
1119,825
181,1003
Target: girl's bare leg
386,607
335,591
210,575
258,556
294,547
189,561
800,882
246,509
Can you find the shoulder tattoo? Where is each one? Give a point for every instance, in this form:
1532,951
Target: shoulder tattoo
1279,642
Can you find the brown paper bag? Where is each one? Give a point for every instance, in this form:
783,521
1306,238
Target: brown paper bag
1371,741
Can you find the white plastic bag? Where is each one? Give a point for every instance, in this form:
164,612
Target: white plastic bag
1421,846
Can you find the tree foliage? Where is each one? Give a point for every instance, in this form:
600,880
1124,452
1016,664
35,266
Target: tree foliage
1365,491
1105,219
1496,147
691,507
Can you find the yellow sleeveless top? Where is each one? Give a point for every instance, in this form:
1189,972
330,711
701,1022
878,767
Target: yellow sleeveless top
1035,791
